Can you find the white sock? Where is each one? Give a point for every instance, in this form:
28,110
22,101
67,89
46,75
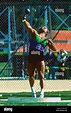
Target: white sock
33,90
42,91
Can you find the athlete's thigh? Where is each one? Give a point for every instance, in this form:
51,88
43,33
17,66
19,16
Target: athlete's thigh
41,67
31,69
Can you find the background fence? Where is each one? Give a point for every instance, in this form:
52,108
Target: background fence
14,39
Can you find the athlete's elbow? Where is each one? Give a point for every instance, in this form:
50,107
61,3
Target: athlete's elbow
53,48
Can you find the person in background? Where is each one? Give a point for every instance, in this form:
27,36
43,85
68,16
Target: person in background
51,58
61,58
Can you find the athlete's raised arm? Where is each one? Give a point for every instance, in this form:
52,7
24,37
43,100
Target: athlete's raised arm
30,30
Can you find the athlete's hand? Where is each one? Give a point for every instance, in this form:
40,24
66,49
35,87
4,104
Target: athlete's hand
27,11
24,17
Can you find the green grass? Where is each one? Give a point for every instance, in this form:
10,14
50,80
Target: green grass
2,64
6,67
65,95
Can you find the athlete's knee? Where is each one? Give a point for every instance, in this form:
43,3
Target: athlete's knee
31,77
41,75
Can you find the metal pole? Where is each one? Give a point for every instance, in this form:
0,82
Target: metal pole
9,40
31,16
14,25
23,57
50,21
46,24
45,17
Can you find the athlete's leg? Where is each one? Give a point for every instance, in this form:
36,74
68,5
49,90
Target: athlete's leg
31,72
41,70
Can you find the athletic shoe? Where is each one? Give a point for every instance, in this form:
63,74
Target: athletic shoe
42,95
34,95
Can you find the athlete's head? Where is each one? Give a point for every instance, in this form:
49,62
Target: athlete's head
43,32
61,51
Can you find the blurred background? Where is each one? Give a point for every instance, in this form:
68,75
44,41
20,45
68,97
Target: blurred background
14,39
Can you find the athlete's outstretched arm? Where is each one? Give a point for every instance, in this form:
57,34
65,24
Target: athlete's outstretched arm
30,30
51,45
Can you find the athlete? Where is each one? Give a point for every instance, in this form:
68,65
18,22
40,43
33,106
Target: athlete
35,57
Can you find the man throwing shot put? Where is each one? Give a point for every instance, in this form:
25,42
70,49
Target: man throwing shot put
35,57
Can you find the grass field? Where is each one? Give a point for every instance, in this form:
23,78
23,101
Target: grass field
65,99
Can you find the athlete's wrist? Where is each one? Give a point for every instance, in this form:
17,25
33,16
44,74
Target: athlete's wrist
24,20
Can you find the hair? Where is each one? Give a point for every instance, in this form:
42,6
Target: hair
43,29
61,50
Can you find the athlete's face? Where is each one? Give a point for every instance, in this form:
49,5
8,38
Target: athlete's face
42,36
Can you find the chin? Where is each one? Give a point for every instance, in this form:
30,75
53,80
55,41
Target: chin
42,38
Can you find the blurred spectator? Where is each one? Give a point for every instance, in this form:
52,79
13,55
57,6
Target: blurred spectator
61,58
46,72
51,59
68,67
